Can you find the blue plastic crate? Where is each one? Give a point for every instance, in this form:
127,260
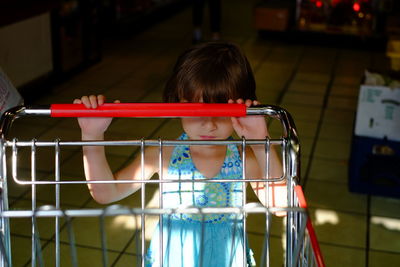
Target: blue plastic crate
374,167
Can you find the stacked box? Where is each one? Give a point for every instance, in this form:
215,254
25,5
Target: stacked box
374,166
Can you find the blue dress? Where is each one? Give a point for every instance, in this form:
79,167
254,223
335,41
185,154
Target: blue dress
194,240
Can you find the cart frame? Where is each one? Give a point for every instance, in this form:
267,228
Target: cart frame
297,217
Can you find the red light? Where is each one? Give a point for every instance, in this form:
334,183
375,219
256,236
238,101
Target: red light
318,4
356,7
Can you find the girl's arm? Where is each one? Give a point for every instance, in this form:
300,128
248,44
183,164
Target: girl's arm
255,127
95,162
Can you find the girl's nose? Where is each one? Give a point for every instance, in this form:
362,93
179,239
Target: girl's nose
210,123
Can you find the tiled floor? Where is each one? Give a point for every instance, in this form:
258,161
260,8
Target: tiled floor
318,85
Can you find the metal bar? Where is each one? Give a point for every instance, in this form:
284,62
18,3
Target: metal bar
33,198
57,195
300,238
266,188
244,240
143,203
160,194
289,218
144,181
146,143
195,110
5,258
116,210
71,239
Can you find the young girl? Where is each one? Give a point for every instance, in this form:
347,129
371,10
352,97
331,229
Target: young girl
209,73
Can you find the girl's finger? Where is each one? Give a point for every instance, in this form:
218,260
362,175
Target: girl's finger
117,101
85,101
77,101
93,101
235,122
248,102
230,101
256,102
101,99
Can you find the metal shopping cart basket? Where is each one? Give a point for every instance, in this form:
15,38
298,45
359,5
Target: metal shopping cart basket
52,232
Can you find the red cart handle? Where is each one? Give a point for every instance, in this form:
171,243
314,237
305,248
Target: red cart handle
149,110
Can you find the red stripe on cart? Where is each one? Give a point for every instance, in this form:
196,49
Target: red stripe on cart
142,110
310,228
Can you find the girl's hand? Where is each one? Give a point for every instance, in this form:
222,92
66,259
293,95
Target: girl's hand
251,127
93,128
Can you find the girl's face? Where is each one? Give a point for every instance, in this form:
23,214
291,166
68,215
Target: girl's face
208,128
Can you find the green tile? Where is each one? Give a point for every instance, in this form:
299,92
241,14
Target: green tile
126,260
312,77
23,226
380,258
340,102
339,132
63,133
332,149
306,146
308,87
69,194
302,99
125,150
256,224
23,131
129,90
85,256
324,195
329,170
44,157
343,256
345,90
267,96
276,252
118,230
134,128
385,207
305,113
17,188
21,250
73,167
306,129
385,234
339,228
304,162
342,117
353,80
170,130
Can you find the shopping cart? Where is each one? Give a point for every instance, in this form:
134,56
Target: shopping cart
300,246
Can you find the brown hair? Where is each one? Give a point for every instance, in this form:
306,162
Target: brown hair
214,72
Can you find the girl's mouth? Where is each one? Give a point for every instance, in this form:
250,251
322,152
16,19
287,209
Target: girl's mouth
207,137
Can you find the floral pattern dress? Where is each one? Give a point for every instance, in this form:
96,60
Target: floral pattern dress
195,239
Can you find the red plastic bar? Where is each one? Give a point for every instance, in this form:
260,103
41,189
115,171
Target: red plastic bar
150,110
310,228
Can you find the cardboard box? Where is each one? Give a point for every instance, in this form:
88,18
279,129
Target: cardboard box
378,112
271,18
374,165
